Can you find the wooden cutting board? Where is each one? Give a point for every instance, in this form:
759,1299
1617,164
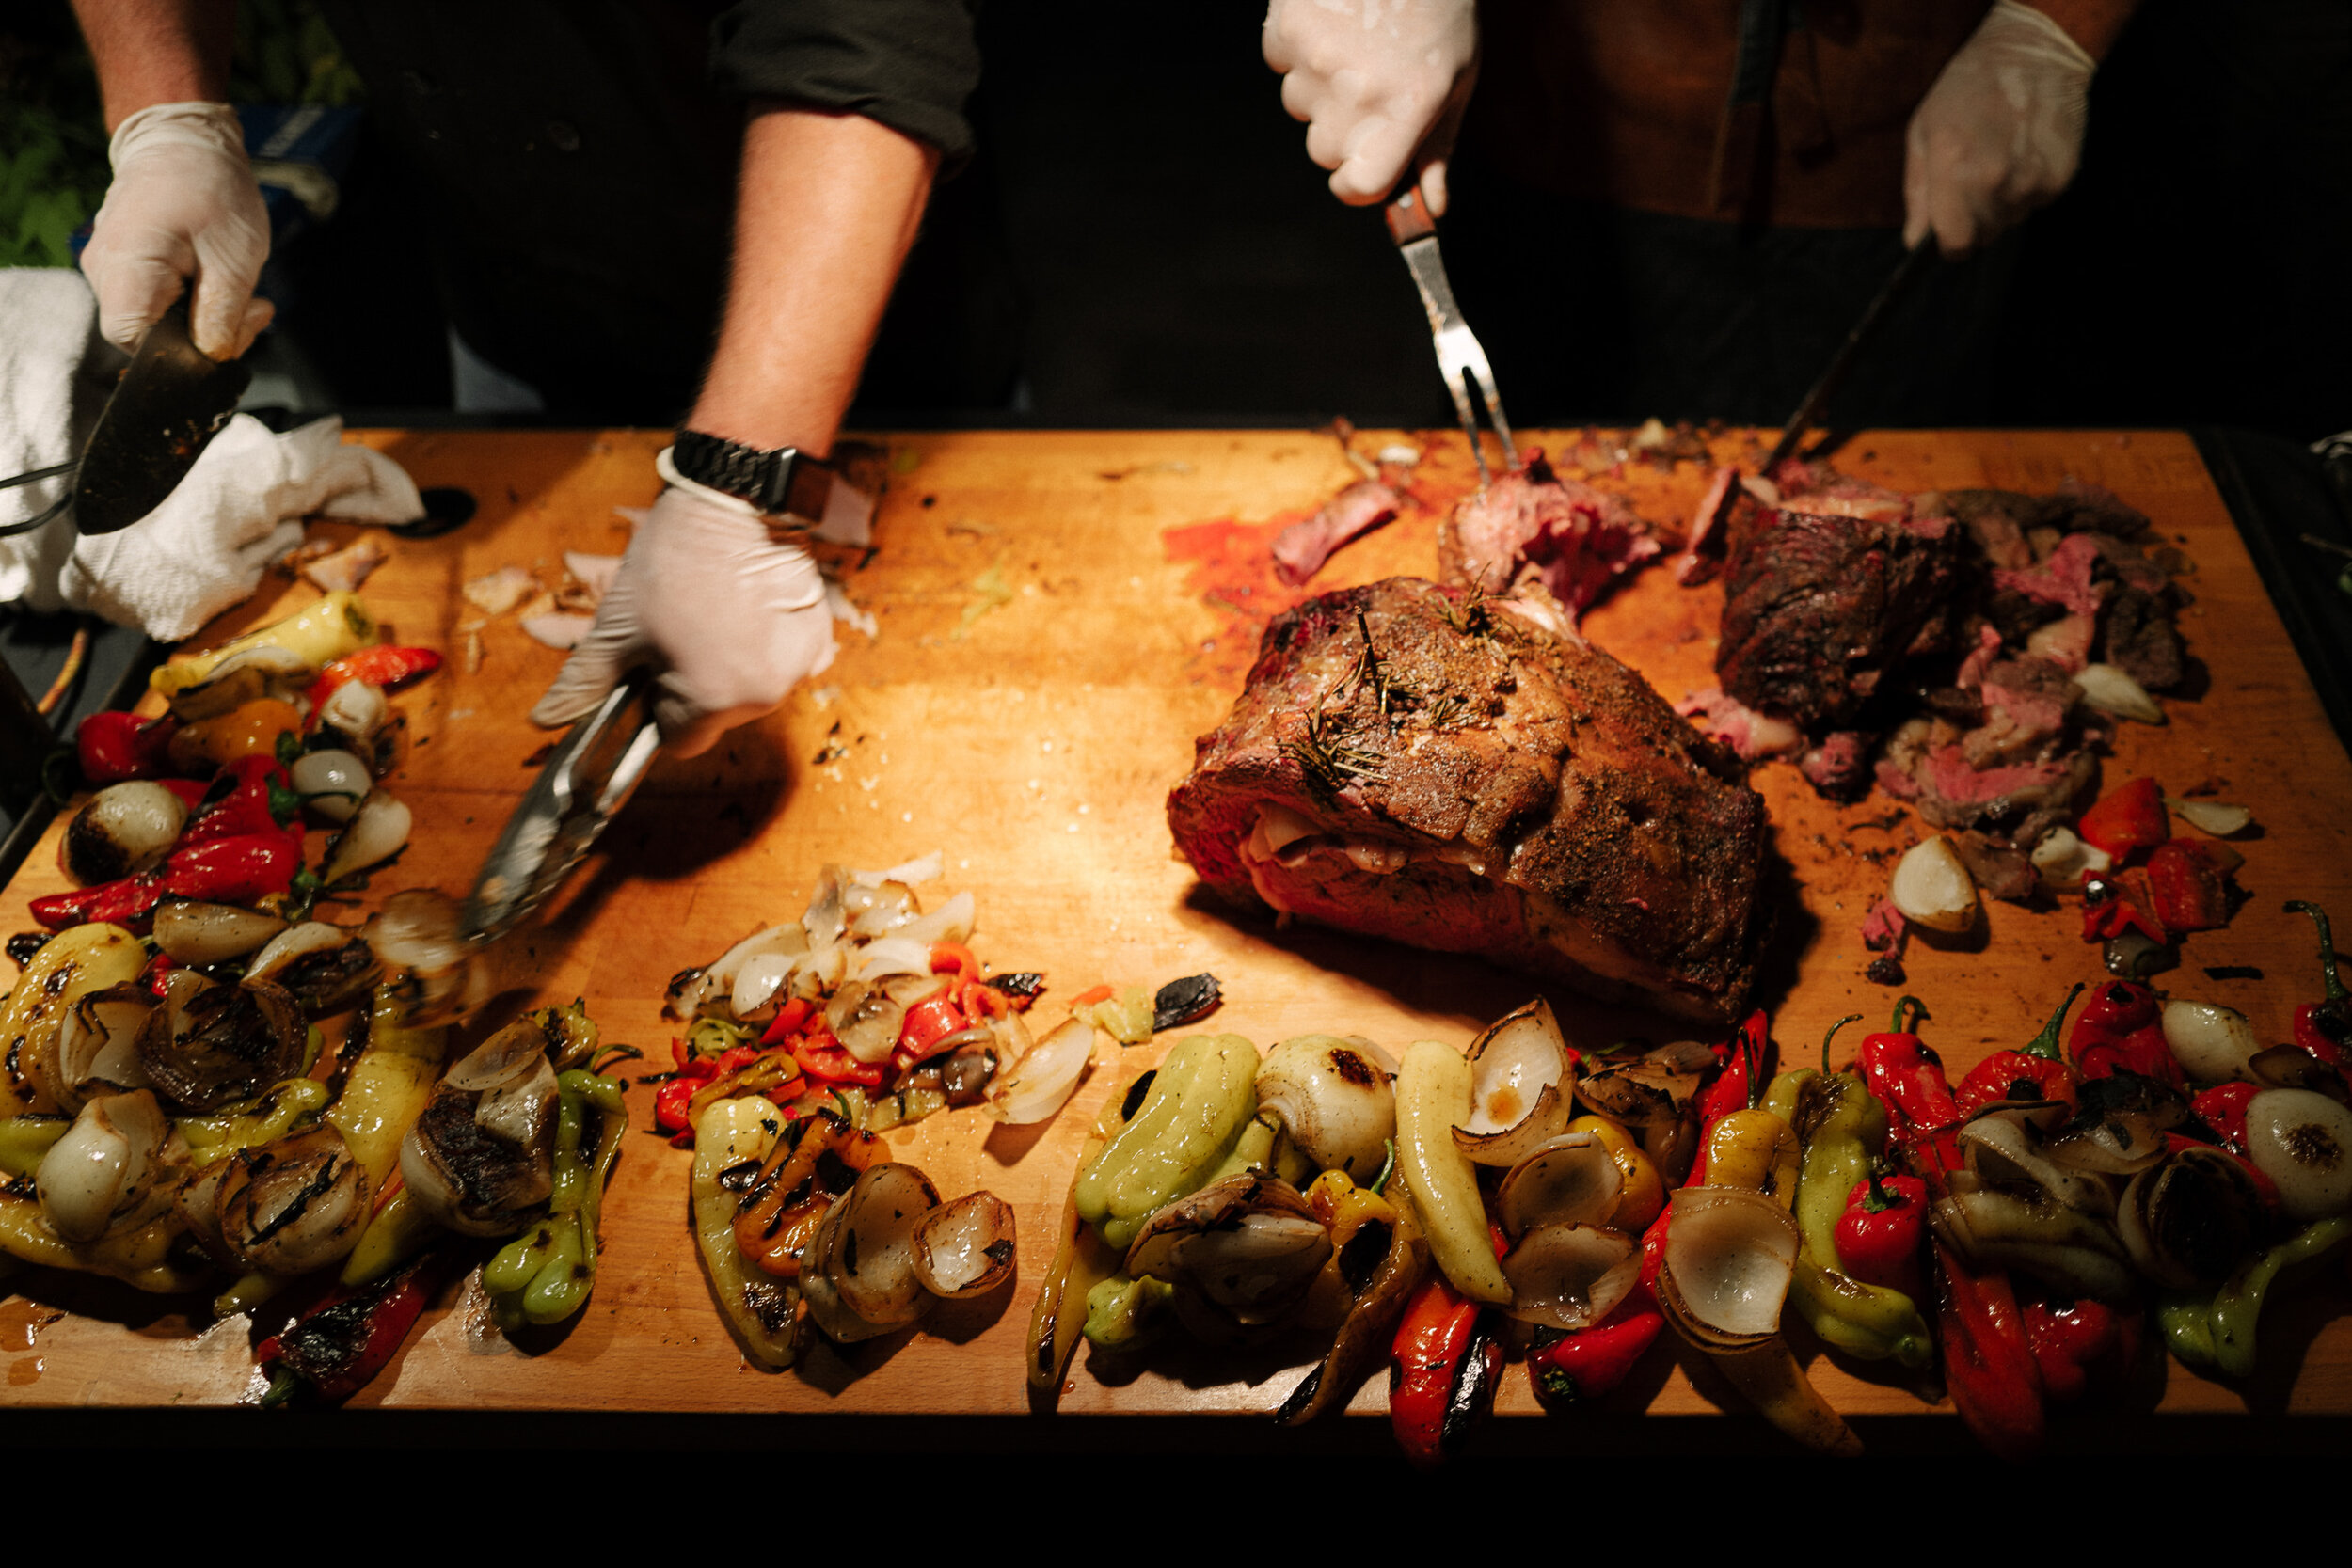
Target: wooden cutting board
1054,617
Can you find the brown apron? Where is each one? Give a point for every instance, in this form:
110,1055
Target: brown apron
1781,112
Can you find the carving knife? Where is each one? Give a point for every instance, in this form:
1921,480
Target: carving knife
1914,265
1460,359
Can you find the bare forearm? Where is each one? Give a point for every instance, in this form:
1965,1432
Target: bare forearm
2093,23
827,209
153,51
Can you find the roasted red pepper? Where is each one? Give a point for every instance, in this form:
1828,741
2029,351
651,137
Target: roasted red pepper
824,1057
381,665
928,1022
1907,1077
2114,905
1444,1364
2323,1028
790,1020
1989,1363
1565,1368
2077,1342
2188,886
337,1345
2037,1072
112,747
2129,817
252,795
2121,1031
1880,1235
2222,1108
670,1102
128,903
239,870
1742,1059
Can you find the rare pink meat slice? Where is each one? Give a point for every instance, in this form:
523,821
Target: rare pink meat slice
1465,774
1533,527
1300,549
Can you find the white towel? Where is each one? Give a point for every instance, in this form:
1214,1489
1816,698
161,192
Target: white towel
206,548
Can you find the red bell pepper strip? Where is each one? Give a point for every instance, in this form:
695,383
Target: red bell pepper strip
1881,1234
821,1056
928,1022
1989,1363
2129,817
112,747
381,665
2038,1071
2188,886
2323,1028
337,1345
2077,1342
239,870
2120,1030
128,903
2113,905
789,1020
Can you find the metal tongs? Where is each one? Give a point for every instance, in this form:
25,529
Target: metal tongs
586,781
1460,359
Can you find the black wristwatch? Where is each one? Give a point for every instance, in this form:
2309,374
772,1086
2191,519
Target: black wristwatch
786,482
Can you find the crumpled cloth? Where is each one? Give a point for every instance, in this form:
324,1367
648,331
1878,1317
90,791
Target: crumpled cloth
206,548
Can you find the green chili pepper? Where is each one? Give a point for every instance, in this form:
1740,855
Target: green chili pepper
23,1140
257,1122
548,1273
2239,1303
1842,1129
1125,1314
1201,1099
2186,1319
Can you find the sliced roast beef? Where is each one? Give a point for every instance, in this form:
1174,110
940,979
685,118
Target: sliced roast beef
1300,549
2139,639
1533,527
1818,607
1465,774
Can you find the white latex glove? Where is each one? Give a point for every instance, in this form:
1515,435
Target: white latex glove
1999,133
183,208
1377,81
731,618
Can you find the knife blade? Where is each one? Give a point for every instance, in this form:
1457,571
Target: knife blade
1914,265
587,779
1460,358
172,400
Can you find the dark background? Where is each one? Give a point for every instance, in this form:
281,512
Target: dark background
1143,241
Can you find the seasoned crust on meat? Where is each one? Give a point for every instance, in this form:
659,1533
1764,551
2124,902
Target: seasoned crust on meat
1482,780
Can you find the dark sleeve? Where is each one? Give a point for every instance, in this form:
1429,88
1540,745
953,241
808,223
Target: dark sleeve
909,64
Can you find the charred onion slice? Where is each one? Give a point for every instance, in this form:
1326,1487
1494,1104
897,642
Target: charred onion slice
2004,1152
377,832
1041,1080
965,1248
1521,1087
475,1178
1249,1245
2080,1254
432,972
2191,1219
1572,1179
194,933
1730,1255
1570,1276
2213,1043
293,1205
1333,1100
1653,1090
331,783
222,1044
99,1173
98,1043
872,1267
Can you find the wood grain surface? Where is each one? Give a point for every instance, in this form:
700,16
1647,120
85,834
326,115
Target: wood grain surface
1032,738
